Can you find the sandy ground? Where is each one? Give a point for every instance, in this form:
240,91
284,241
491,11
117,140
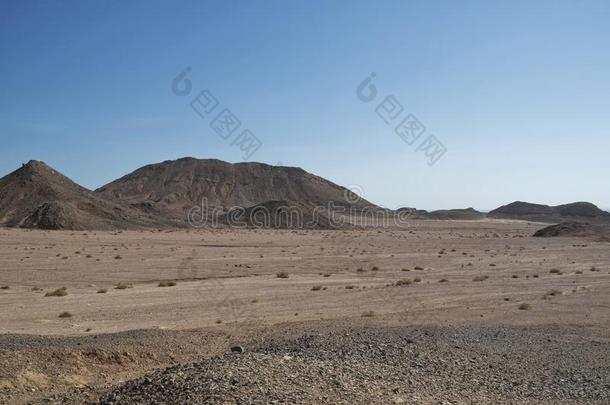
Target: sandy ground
227,280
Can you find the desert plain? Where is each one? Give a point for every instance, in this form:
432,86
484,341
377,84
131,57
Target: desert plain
429,312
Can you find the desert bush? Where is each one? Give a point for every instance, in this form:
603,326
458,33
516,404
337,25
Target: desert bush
418,268
417,280
404,281
375,268
167,283
554,293
102,291
282,274
555,271
524,306
480,278
65,315
443,280
60,292
316,288
4,287
368,314
123,286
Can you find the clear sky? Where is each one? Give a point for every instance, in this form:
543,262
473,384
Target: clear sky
517,91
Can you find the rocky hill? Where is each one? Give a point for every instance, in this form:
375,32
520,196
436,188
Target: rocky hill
175,187
576,229
37,196
574,212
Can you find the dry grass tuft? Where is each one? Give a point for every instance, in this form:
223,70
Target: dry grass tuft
60,292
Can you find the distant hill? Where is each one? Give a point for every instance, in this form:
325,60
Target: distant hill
37,196
576,229
463,214
575,212
174,187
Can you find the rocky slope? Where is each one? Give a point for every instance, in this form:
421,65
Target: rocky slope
37,196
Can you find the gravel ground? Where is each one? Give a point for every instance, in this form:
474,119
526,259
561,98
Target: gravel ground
385,365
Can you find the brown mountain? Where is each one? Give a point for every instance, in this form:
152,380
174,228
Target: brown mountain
575,212
37,196
576,229
175,187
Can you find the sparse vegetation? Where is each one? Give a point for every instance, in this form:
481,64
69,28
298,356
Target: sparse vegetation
524,306
60,292
404,281
4,287
316,288
282,274
480,278
368,314
102,291
169,283
123,286
65,315
443,280
375,268
418,268
555,271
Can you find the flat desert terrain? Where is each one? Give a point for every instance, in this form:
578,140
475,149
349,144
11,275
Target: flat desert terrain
433,312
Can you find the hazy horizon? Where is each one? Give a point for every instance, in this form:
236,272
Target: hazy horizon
518,93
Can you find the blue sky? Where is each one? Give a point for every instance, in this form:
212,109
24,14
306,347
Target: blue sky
517,92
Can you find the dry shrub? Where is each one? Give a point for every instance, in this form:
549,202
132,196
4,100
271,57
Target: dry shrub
60,292
167,283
